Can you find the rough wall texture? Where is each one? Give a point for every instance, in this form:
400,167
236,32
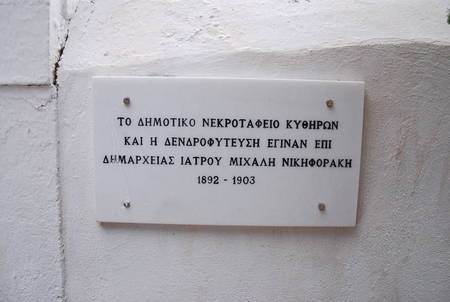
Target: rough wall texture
30,251
400,249
25,38
398,252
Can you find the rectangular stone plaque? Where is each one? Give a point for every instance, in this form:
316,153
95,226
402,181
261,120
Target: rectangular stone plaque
211,151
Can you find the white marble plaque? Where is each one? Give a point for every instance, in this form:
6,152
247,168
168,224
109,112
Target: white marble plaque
212,151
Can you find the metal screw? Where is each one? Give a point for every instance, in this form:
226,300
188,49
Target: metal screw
329,103
322,207
126,101
127,204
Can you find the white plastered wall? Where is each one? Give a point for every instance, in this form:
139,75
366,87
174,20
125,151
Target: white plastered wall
400,249
31,257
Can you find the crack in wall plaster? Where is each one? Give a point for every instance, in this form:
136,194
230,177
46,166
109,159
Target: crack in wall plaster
57,64
62,296
58,60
